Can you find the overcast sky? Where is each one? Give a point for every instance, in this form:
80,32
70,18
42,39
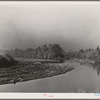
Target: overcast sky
73,25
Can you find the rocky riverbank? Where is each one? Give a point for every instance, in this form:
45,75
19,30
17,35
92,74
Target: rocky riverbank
28,70
85,61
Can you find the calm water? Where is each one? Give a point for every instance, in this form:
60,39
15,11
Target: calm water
84,77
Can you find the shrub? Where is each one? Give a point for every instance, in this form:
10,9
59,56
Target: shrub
6,60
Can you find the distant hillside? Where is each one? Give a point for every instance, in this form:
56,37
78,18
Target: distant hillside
45,52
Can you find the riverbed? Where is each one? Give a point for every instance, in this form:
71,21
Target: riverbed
84,78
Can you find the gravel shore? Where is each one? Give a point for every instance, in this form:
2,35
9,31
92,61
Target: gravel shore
24,71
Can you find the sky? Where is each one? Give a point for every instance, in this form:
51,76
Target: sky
72,24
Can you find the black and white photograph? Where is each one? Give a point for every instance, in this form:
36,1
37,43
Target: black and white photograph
49,47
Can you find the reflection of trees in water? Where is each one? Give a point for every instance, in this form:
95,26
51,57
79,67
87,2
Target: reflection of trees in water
96,67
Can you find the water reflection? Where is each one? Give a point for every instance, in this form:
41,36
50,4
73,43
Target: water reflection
96,67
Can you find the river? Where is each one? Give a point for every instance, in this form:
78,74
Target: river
83,77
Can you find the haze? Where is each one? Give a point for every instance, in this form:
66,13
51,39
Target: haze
73,25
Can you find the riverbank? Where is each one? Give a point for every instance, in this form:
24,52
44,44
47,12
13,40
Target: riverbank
84,61
28,70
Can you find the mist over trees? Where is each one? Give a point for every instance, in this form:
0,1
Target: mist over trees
51,51
55,51
92,54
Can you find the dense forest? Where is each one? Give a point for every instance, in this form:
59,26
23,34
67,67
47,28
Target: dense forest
51,51
55,51
91,54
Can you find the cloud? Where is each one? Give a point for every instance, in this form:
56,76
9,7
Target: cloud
72,25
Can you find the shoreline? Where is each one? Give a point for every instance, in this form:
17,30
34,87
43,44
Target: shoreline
84,61
25,71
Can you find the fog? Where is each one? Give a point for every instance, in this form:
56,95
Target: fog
73,25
